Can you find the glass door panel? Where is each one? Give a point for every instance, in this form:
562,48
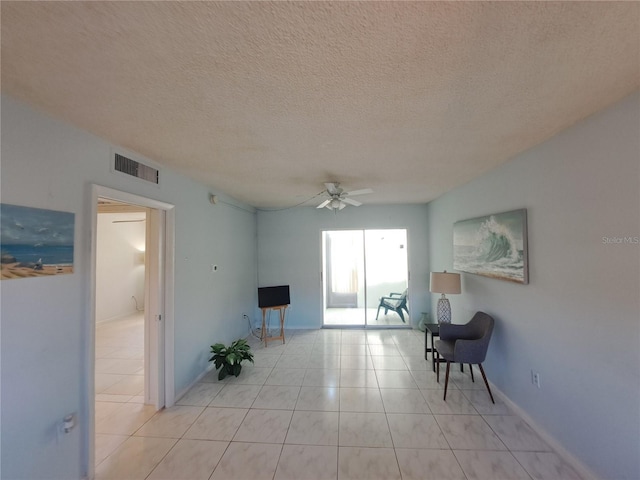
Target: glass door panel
387,279
343,279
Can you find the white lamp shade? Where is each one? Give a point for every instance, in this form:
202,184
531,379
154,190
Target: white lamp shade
443,282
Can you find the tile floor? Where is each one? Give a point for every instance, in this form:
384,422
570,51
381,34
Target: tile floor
120,359
329,404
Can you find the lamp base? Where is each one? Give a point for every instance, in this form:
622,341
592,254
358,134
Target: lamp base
444,310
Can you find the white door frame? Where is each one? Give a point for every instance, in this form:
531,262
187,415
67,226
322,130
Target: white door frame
160,288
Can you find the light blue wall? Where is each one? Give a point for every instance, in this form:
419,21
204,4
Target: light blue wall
45,326
577,322
289,253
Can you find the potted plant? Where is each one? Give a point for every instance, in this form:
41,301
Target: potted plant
230,358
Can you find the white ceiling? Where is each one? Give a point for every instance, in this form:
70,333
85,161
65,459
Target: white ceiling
267,101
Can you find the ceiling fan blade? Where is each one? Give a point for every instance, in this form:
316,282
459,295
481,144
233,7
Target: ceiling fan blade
324,204
363,191
333,188
350,201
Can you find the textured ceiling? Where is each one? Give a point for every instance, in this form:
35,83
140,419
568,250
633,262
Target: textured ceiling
267,101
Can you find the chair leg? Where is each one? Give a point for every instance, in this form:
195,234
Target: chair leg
484,377
446,380
378,313
437,366
471,370
401,315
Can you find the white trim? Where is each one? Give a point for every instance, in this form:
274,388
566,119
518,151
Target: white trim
126,197
88,430
169,292
585,472
368,324
210,367
185,390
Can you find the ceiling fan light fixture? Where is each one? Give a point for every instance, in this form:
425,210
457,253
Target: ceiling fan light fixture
338,198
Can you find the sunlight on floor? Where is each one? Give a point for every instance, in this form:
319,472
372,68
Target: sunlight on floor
355,317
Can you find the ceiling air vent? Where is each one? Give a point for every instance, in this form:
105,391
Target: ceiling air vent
136,169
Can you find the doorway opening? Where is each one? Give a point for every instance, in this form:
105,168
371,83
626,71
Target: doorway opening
121,359
130,372
360,267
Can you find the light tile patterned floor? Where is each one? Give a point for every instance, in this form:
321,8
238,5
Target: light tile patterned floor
329,404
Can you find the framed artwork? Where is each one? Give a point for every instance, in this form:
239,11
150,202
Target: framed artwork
493,246
35,242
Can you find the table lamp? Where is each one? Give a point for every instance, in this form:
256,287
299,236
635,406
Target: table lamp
443,282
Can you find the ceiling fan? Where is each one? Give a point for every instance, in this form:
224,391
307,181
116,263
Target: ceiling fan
338,198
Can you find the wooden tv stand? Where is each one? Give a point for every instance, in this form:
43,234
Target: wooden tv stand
263,333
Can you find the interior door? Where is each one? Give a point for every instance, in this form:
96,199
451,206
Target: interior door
154,314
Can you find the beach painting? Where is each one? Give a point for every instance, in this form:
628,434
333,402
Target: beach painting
493,246
35,242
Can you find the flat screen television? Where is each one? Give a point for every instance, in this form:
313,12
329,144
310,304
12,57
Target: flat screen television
273,296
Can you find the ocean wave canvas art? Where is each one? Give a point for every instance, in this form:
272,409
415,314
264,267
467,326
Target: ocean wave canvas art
35,242
493,246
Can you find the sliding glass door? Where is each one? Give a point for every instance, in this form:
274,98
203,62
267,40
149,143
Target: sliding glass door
365,278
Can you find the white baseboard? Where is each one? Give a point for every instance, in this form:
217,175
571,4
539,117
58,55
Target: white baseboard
585,472
185,390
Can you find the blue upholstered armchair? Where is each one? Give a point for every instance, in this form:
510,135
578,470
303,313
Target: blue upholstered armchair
465,344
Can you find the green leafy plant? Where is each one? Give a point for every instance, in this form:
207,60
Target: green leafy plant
229,359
